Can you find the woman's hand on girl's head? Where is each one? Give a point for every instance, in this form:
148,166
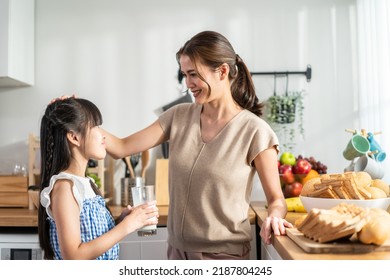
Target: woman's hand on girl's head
63,97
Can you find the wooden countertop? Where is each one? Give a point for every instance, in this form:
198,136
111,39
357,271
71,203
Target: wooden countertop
23,217
18,217
289,250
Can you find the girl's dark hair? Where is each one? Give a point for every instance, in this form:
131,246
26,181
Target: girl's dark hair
62,116
212,49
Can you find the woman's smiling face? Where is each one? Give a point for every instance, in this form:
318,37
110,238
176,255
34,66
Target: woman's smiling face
199,88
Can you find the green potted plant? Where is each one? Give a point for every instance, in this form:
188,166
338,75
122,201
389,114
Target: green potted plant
96,179
284,113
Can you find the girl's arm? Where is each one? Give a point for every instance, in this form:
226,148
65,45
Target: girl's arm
66,213
140,141
266,166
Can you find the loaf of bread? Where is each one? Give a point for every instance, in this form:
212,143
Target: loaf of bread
349,185
376,229
371,226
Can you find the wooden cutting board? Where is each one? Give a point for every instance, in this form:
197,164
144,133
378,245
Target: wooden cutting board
162,195
312,247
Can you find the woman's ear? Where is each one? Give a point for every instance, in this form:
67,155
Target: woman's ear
73,138
224,71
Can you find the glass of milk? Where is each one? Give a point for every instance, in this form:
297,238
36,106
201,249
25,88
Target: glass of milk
142,194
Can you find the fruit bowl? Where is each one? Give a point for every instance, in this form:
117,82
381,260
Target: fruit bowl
295,178
327,203
295,183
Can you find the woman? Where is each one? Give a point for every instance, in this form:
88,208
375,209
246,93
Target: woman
217,144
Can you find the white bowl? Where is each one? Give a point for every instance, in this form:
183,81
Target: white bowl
327,203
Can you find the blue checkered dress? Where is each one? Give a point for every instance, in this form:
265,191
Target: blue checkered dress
95,220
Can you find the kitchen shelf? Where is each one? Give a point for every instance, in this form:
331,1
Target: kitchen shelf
100,170
33,168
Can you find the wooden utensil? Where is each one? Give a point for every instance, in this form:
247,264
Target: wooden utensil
134,159
127,160
145,162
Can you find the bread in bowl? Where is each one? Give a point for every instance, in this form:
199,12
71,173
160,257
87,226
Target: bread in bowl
380,184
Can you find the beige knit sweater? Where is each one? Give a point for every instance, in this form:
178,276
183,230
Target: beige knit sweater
210,183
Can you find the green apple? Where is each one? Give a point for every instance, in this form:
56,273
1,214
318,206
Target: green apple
287,158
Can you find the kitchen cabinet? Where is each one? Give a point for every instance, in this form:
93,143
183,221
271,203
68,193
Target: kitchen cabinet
155,247
134,247
268,252
17,42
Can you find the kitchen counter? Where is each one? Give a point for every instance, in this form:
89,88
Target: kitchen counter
23,217
18,217
289,250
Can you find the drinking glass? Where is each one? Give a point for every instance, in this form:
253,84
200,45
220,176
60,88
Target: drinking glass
143,194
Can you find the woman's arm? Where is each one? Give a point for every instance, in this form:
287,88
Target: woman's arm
140,141
266,166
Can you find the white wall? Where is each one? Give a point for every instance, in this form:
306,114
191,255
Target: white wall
121,55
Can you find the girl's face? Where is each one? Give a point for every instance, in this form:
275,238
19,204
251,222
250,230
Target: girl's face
95,144
199,88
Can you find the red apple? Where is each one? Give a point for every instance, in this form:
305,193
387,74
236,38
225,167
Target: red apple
301,167
284,167
292,190
286,174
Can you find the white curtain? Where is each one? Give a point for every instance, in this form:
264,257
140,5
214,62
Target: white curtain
373,33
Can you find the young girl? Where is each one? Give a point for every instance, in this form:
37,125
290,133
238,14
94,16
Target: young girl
74,222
